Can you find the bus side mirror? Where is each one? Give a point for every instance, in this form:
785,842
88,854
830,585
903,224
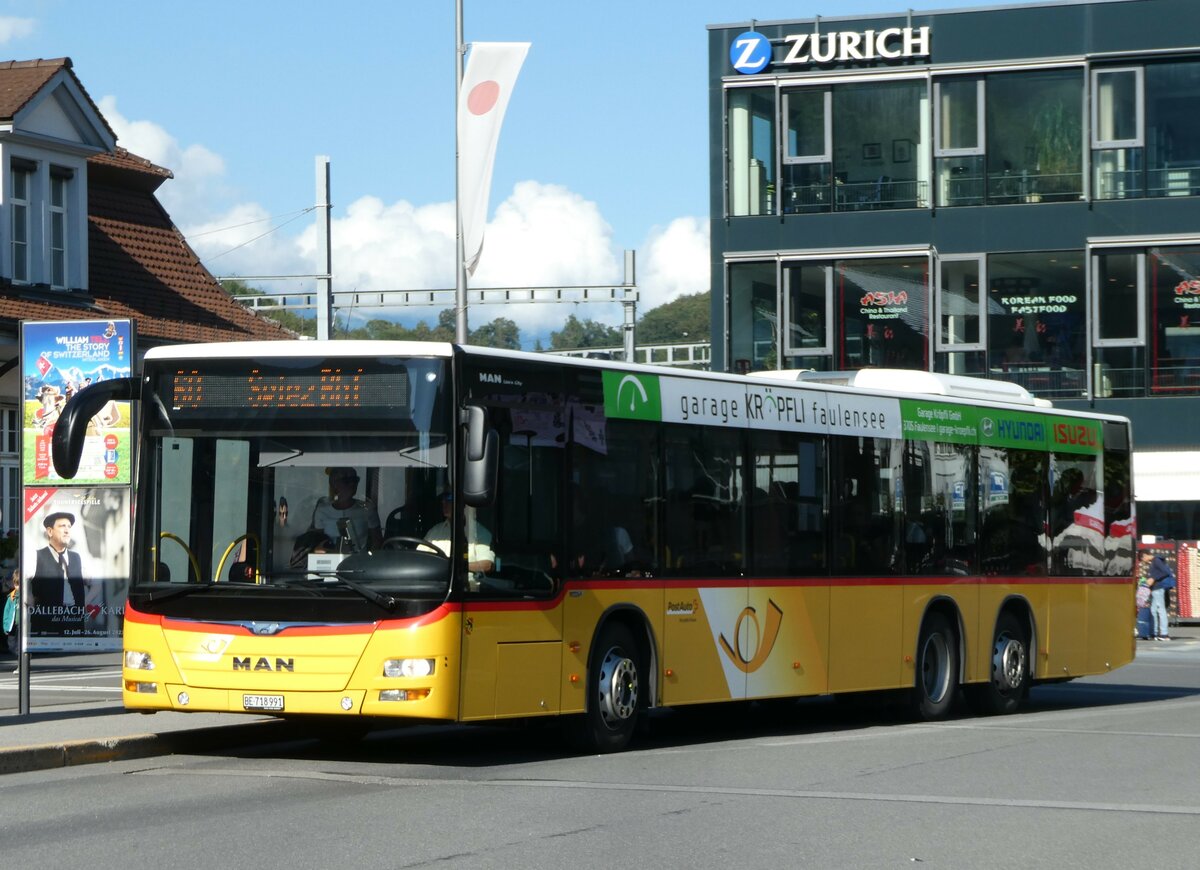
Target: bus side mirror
66,445
481,465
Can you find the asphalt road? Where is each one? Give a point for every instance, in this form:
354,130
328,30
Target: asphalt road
1102,772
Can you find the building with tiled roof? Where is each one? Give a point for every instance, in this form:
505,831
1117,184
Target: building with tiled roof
83,237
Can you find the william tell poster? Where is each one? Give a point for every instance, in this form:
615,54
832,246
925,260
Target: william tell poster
58,359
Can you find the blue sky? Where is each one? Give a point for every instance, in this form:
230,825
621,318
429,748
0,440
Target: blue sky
604,147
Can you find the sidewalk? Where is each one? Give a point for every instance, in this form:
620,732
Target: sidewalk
58,735
76,717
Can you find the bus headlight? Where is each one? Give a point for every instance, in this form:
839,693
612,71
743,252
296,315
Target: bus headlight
139,661
408,667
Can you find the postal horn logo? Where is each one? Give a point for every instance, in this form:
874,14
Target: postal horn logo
752,642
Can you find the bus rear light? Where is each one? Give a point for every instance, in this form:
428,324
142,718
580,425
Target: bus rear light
408,667
404,694
135,686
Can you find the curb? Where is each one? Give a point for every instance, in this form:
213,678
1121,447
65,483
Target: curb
47,756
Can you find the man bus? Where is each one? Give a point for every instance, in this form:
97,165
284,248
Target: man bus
655,538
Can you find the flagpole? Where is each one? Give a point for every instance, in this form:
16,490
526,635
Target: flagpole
460,268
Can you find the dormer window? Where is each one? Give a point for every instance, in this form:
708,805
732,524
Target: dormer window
46,238
22,173
59,180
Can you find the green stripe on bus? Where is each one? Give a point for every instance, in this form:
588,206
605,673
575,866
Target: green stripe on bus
997,427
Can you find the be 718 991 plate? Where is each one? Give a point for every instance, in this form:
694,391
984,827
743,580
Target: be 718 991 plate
271,703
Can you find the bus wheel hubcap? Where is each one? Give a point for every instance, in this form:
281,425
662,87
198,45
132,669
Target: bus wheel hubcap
618,688
1008,664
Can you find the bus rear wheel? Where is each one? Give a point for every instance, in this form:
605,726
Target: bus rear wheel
614,699
1009,678
937,669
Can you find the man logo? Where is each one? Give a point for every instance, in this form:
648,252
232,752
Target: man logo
759,644
987,427
750,53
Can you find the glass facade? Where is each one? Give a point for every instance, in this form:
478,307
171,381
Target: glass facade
1016,204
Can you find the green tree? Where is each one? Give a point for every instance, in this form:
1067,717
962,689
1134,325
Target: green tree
501,332
578,333
271,309
683,321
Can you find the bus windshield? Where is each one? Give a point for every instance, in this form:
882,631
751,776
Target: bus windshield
292,481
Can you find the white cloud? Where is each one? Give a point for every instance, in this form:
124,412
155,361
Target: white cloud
198,185
541,235
674,262
15,28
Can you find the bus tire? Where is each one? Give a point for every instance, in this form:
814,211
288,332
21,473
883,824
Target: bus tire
616,681
937,669
1008,680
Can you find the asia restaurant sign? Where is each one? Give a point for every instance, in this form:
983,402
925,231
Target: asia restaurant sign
1187,295
751,52
883,305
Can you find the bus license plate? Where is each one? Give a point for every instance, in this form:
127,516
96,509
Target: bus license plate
262,702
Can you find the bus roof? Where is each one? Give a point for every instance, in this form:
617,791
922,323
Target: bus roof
300,348
897,382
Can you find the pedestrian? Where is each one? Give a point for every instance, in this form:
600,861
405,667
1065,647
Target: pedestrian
12,612
1161,579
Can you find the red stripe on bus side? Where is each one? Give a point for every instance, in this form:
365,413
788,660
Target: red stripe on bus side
167,622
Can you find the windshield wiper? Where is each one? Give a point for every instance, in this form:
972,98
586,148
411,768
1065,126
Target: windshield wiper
387,602
180,591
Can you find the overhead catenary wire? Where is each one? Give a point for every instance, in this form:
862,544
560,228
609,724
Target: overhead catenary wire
296,216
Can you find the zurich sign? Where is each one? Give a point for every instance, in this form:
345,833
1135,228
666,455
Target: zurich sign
750,52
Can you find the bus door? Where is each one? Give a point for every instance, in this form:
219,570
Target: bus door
512,620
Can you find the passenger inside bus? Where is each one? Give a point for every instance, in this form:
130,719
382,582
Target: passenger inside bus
480,557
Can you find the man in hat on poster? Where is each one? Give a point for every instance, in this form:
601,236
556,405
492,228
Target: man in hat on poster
58,575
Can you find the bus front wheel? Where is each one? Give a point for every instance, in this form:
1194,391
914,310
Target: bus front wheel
614,687
1009,678
937,669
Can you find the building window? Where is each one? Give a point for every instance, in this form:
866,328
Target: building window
20,211
808,312
1172,129
959,137
884,313
10,470
1117,133
1119,323
1035,136
808,151
1174,304
751,149
961,318
1036,321
753,300
879,151
58,230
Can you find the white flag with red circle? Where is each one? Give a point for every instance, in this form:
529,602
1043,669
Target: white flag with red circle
488,80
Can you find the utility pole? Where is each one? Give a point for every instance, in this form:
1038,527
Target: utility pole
460,268
629,303
325,249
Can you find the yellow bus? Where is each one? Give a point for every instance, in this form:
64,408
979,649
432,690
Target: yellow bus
456,534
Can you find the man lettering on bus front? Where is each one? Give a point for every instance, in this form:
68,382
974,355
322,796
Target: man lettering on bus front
480,557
